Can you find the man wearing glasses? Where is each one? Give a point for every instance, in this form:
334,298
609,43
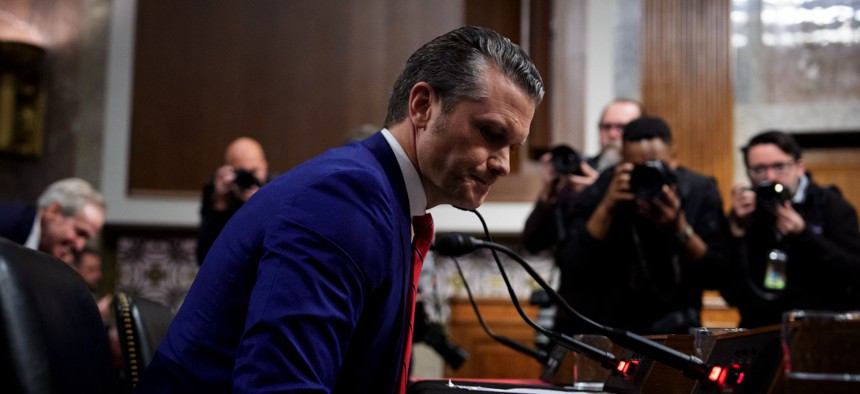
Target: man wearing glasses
544,226
796,243
615,116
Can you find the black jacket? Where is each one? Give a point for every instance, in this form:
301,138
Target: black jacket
637,279
823,268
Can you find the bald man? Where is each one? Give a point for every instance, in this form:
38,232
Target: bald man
245,170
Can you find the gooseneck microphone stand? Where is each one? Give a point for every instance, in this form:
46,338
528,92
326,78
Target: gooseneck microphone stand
690,366
450,245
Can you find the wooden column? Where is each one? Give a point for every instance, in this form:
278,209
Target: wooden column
687,80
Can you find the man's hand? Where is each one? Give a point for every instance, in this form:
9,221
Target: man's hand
788,221
224,182
617,193
663,210
580,182
559,186
743,204
619,188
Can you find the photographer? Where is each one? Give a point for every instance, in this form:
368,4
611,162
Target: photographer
567,173
244,172
643,240
812,230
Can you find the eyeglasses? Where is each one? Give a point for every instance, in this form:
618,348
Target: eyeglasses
609,126
779,167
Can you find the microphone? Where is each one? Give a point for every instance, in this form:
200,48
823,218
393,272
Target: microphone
453,245
456,244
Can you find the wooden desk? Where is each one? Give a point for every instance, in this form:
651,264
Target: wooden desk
489,359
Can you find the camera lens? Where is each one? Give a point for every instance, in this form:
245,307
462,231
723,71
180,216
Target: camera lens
565,160
769,194
647,179
246,179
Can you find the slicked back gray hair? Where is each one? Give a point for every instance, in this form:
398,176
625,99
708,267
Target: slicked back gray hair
72,194
453,64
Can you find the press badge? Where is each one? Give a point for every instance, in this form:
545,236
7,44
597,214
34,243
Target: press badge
774,275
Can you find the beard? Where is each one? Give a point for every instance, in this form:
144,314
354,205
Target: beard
610,156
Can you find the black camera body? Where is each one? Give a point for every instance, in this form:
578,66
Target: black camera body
647,179
566,160
769,194
246,179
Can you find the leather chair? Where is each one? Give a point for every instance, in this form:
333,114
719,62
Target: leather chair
52,339
142,325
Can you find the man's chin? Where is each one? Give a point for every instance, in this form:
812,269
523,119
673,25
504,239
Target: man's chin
65,255
471,202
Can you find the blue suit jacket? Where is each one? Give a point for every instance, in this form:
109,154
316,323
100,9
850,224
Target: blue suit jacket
304,289
16,222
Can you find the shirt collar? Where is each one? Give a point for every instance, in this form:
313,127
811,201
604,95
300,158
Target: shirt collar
800,194
414,188
35,233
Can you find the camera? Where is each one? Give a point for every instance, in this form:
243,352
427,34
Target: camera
246,179
566,160
647,179
769,194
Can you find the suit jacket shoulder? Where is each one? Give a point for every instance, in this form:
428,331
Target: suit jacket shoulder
16,222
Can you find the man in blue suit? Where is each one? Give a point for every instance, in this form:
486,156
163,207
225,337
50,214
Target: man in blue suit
307,288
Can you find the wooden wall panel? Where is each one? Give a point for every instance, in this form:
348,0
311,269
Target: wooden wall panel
489,359
687,80
297,75
836,166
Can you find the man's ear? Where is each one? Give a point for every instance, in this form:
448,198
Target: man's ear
421,104
52,211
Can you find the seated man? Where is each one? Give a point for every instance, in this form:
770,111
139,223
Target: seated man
69,213
643,239
812,228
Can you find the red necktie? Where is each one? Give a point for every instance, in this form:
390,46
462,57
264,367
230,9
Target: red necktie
422,227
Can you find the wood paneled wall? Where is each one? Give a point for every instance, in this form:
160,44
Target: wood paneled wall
687,80
297,75
836,166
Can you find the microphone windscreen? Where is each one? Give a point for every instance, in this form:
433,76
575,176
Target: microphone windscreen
454,244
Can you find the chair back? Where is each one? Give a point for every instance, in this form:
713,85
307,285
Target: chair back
52,338
142,325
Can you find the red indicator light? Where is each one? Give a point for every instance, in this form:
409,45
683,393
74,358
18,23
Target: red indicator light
740,377
715,373
723,376
622,366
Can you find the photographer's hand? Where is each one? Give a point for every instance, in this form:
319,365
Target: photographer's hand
788,221
224,182
617,193
580,182
245,195
663,210
743,204
552,182
558,186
